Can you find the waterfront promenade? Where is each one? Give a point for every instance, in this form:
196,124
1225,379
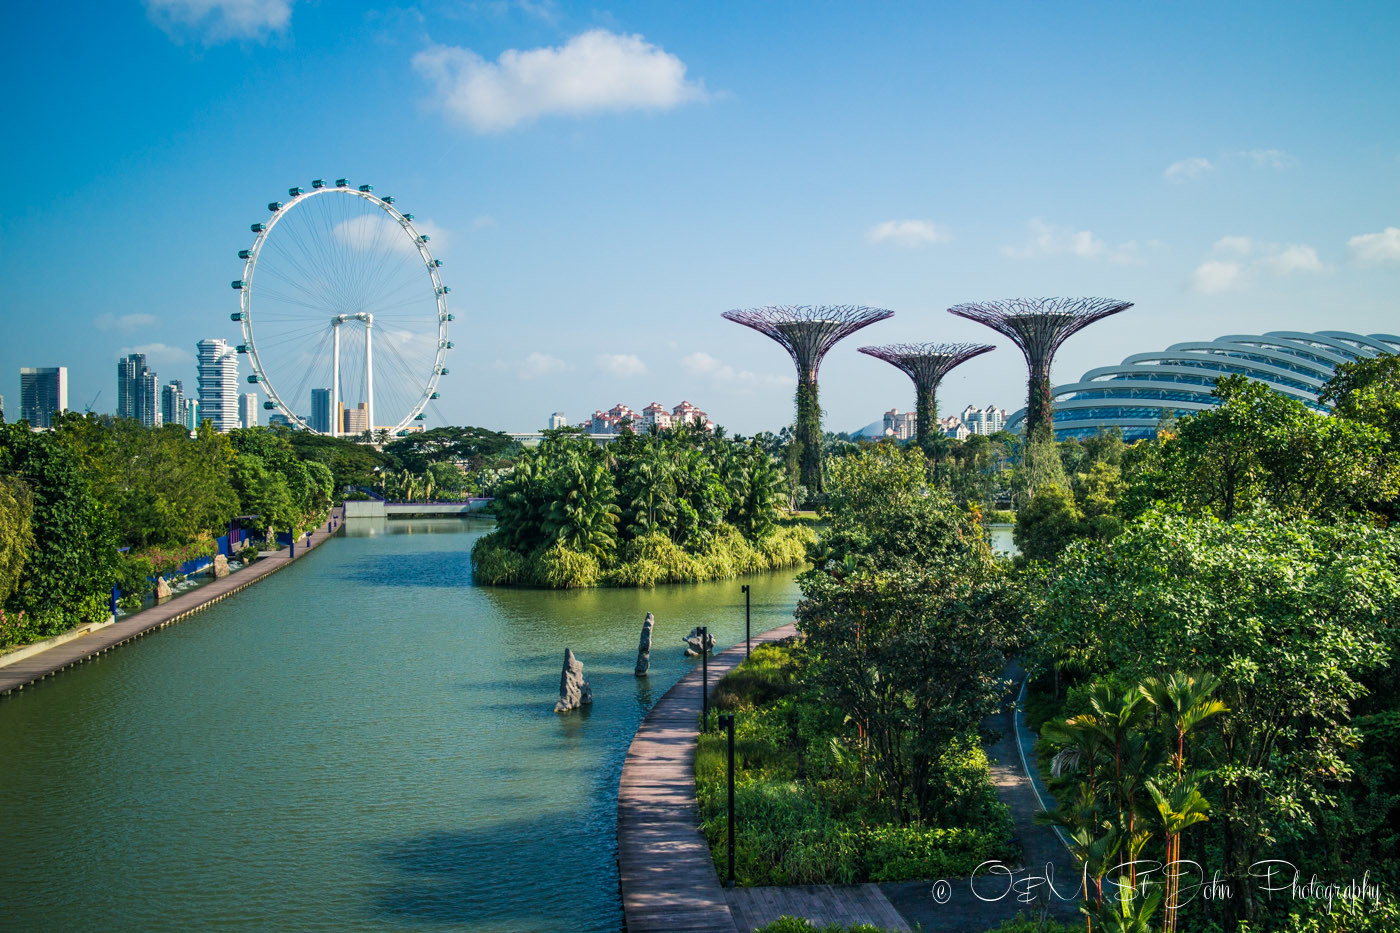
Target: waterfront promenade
669,881
45,664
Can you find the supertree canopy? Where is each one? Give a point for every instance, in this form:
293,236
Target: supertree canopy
1039,326
807,332
926,364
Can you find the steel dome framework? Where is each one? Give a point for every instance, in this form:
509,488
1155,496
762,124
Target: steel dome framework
1136,394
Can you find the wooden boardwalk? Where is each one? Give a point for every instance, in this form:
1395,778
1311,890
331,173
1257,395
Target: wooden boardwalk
46,664
668,878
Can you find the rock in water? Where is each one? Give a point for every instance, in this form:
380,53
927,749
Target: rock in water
692,643
644,648
163,591
220,566
573,686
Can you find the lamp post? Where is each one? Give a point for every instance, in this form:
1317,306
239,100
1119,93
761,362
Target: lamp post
727,721
747,637
704,679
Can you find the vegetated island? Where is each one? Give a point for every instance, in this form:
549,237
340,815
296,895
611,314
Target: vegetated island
678,505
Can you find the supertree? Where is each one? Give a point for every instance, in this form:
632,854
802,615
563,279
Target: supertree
1039,326
926,364
807,332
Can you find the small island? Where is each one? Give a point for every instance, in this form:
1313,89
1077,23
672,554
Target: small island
672,505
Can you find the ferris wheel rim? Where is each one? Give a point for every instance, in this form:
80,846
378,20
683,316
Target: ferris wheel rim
246,302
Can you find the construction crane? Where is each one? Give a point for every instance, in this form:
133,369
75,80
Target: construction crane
87,409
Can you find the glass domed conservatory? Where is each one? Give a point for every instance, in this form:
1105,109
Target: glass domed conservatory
1138,392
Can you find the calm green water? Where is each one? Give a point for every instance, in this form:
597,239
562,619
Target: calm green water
364,741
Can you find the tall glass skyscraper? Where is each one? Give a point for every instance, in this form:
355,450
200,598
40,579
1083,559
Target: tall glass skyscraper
173,408
43,393
138,391
218,384
321,417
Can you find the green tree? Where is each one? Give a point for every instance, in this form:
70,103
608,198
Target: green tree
1289,615
909,617
68,577
475,448
16,532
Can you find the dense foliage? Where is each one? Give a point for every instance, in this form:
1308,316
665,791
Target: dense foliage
659,507
910,619
810,811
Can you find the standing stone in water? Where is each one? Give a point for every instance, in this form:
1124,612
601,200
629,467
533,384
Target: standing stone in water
573,686
163,591
644,648
693,647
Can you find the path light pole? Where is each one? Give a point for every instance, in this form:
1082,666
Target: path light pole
704,679
727,721
747,637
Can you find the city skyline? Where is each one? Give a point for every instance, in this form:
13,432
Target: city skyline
1219,167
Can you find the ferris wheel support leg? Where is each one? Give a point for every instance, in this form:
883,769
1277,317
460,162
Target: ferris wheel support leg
369,372
335,377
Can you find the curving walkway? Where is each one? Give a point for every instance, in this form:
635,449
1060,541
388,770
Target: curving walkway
669,881
46,664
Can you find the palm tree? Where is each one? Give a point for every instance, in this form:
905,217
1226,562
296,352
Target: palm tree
1179,808
1184,700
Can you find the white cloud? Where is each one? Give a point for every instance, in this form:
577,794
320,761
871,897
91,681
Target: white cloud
124,322
1187,169
220,20
541,364
1265,158
622,364
1294,257
1238,261
159,354
908,233
1234,245
1217,275
372,232
593,72
1050,240
1372,249
483,221
700,363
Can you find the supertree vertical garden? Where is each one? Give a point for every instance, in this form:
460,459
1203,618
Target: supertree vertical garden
807,332
1039,326
926,364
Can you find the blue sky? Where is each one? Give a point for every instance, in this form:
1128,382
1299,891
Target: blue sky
603,181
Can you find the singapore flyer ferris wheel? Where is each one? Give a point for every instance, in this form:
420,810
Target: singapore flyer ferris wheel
344,313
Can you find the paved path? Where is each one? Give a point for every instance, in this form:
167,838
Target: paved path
668,879
45,664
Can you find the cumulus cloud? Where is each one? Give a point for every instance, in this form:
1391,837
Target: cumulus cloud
124,322
621,364
700,363
541,364
1049,240
159,354
1237,261
1371,249
373,232
1217,275
1187,169
216,21
594,72
908,233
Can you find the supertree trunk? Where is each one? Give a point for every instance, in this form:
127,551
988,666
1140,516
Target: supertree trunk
808,433
925,416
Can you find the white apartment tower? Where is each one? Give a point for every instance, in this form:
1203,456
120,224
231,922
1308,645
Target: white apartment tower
218,384
248,410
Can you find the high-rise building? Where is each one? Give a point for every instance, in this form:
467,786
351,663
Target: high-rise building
43,393
148,399
557,420
321,417
218,384
987,420
174,407
128,368
192,414
248,410
356,420
2,408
